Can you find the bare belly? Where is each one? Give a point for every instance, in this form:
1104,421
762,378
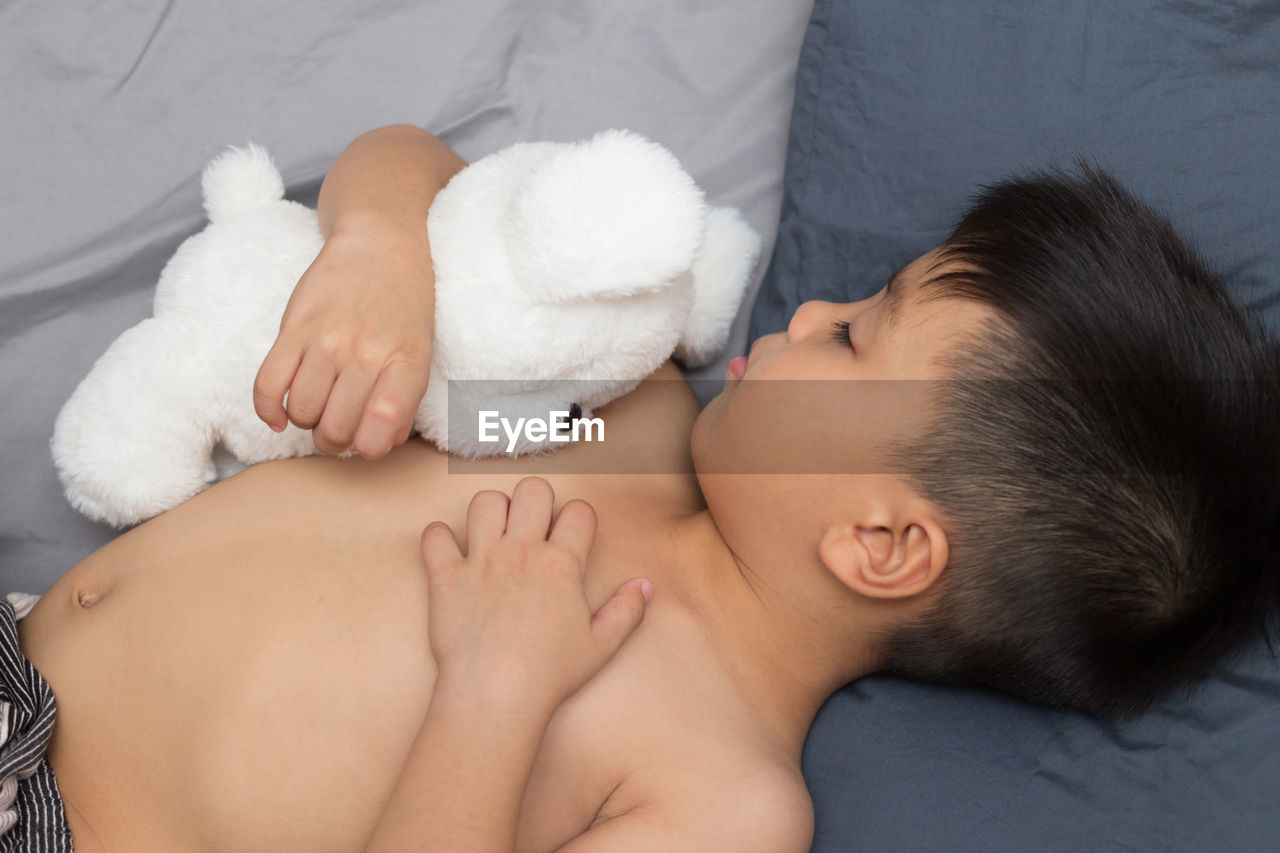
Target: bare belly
247,671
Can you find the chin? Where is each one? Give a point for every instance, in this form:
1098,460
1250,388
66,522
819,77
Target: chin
696,436
702,438
714,464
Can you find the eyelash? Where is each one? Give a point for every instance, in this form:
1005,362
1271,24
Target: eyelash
840,334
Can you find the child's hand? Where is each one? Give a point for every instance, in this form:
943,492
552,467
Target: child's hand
354,348
510,621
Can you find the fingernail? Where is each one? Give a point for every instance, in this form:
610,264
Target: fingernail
646,589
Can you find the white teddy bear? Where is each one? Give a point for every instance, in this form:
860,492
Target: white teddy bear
565,273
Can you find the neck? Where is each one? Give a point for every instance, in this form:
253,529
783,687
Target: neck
784,657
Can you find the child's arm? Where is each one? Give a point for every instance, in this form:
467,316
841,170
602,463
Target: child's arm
513,636
354,347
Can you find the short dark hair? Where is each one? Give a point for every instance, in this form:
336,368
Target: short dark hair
1106,456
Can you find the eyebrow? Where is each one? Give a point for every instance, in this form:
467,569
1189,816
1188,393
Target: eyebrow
893,293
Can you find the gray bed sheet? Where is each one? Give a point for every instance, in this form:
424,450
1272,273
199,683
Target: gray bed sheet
111,110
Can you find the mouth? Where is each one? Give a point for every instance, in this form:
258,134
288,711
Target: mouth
736,368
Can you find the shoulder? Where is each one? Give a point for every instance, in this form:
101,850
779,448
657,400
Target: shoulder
766,808
761,806
657,416
643,432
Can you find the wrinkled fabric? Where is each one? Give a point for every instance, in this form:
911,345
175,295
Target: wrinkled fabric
111,110
32,816
902,108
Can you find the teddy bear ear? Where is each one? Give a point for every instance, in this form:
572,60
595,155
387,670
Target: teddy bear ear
239,180
610,217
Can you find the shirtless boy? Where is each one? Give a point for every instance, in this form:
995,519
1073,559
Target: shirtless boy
254,669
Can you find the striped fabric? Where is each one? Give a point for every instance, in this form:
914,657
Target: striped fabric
32,819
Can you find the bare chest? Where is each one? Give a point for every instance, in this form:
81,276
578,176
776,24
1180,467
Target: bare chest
652,726
252,670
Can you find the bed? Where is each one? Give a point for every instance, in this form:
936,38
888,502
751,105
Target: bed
851,131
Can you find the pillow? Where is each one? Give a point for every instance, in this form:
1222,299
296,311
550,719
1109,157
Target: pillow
903,108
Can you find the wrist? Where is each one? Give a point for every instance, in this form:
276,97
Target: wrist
494,699
365,225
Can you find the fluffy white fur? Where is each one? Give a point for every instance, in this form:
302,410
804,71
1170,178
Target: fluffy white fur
565,273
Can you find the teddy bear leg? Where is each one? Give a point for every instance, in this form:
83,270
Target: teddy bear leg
133,438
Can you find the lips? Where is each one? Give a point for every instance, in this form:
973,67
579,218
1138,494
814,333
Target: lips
737,367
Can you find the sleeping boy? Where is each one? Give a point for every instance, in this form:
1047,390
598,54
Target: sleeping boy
1042,458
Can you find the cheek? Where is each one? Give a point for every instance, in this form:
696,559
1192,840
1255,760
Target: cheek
718,435
762,427
805,426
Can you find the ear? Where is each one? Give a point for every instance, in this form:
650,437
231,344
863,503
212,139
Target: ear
894,560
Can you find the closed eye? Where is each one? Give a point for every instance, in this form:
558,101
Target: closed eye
840,334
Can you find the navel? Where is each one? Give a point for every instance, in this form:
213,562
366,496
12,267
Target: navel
87,597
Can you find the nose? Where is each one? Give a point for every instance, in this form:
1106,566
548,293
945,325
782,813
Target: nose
808,316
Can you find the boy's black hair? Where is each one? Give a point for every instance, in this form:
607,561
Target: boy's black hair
1107,456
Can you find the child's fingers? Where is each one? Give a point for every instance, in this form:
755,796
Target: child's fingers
439,546
575,528
530,512
390,409
486,519
342,411
273,379
618,617
310,389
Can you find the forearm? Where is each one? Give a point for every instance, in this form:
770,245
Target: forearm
354,349
386,178
464,781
